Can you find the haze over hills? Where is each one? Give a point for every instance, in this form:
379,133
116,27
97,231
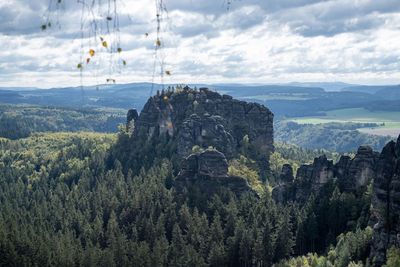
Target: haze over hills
126,95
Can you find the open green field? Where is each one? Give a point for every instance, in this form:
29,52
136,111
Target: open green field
389,121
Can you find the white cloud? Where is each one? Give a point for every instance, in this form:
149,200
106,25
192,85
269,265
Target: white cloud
255,41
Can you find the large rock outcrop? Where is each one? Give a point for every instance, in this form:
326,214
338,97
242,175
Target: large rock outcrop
310,178
219,121
385,210
208,172
175,122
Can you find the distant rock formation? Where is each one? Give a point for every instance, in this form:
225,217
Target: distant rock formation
286,175
131,117
284,190
353,175
208,172
206,118
386,203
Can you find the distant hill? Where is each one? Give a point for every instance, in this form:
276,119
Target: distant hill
385,91
327,86
290,100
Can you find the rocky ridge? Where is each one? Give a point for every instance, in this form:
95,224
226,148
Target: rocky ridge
354,175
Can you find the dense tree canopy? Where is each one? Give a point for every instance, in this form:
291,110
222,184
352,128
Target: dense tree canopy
62,205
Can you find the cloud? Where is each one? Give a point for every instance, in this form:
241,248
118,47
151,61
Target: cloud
253,41
330,18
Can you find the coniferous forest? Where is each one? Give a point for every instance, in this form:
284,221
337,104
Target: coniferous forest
63,203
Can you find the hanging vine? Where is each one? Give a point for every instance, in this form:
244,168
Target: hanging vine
99,35
101,41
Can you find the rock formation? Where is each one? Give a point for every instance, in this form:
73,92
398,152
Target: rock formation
310,178
131,117
174,122
353,175
286,175
206,118
385,211
206,131
208,172
284,190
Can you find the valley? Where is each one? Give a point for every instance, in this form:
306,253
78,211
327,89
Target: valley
387,123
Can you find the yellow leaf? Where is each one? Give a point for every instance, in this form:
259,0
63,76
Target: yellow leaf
91,52
104,43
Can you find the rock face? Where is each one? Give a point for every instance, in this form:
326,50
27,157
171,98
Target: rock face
286,175
353,175
284,190
310,178
386,203
132,115
205,118
206,131
208,172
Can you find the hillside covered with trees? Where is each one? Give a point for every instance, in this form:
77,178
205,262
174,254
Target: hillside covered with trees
112,199
62,205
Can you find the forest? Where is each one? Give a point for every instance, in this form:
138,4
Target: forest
340,137
64,203
20,121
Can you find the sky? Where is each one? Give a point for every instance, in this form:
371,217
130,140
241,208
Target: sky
203,41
